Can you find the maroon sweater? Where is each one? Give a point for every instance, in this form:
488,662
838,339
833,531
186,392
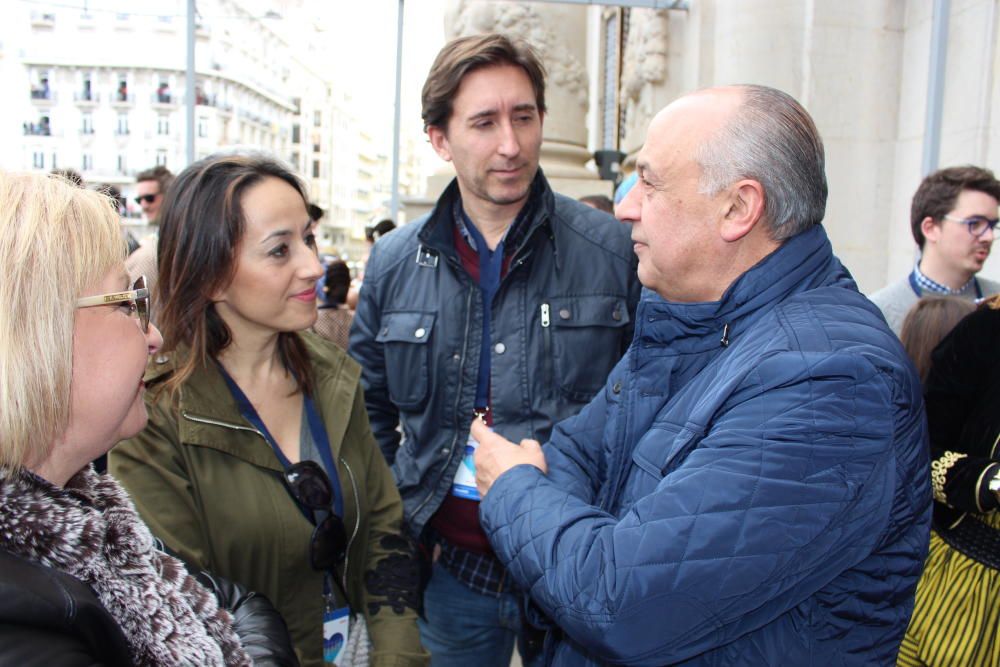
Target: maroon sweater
457,520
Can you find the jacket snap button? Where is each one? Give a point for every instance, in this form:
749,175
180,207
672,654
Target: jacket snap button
616,315
419,333
445,450
564,313
617,387
499,348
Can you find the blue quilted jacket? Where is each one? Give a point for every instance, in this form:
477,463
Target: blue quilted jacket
751,487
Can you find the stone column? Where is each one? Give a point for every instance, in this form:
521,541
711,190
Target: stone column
559,33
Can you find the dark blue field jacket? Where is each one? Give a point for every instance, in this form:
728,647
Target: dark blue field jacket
751,487
562,318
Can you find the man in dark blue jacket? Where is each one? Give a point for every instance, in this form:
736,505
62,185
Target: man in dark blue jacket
508,301
752,485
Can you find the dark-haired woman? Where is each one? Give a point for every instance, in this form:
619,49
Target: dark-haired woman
334,320
956,618
239,400
927,323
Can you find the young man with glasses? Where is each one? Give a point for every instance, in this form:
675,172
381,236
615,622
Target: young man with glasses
953,218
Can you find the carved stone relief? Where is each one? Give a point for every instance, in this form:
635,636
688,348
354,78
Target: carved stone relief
565,70
645,67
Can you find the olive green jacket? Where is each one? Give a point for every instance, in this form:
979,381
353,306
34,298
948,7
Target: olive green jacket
209,485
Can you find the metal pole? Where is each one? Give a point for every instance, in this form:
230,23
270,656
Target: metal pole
189,95
395,123
935,86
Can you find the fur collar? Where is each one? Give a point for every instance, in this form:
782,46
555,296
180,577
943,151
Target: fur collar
90,530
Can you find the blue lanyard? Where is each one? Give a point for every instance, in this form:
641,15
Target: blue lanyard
490,268
315,426
915,286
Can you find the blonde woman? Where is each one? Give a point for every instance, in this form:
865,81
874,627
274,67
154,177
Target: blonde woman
81,580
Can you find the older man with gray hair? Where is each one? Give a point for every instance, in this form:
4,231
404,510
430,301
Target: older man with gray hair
752,485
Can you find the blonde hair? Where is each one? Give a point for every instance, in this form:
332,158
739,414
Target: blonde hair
56,240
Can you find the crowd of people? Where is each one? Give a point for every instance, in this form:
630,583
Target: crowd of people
686,439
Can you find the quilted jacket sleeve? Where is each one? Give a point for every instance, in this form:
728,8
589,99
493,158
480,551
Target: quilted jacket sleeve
574,453
367,351
791,484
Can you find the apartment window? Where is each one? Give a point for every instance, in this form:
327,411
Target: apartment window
296,134
161,158
38,160
88,161
163,125
315,168
55,163
121,164
87,124
121,93
122,123
202,126
317,118
316,147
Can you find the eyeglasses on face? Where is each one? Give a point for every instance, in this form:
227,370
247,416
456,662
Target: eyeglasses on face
311,488
138,297
977,224
149,199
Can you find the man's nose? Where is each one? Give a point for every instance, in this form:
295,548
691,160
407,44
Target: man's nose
510,145
630,207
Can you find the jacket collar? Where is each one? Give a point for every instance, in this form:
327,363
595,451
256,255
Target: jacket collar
205,405
801,263
437,231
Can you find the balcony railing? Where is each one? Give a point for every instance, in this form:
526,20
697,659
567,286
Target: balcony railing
121,97
86,97
164,97
43,94
38,129
43,19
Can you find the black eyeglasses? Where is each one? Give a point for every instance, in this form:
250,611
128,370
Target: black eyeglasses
977,224
149,199
311,488
138,297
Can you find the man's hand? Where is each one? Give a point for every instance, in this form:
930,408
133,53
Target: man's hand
495,455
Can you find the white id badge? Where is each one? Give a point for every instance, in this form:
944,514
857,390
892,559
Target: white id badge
464,485
335,625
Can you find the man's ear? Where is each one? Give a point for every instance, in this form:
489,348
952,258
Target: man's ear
930,228
743,209
439,142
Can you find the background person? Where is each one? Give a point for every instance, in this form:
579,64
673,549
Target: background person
927,323
957,609
81,580
151,187
952,217
240,399
333,321
600,202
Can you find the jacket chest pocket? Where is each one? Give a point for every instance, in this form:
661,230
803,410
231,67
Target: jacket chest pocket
583,341
664,447
404,336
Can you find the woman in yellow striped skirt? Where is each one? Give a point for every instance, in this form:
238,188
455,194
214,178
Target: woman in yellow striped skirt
956,620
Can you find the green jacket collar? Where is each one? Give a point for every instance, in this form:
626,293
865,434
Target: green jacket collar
205,405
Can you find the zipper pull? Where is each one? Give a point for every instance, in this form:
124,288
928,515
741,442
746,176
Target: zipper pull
545,315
